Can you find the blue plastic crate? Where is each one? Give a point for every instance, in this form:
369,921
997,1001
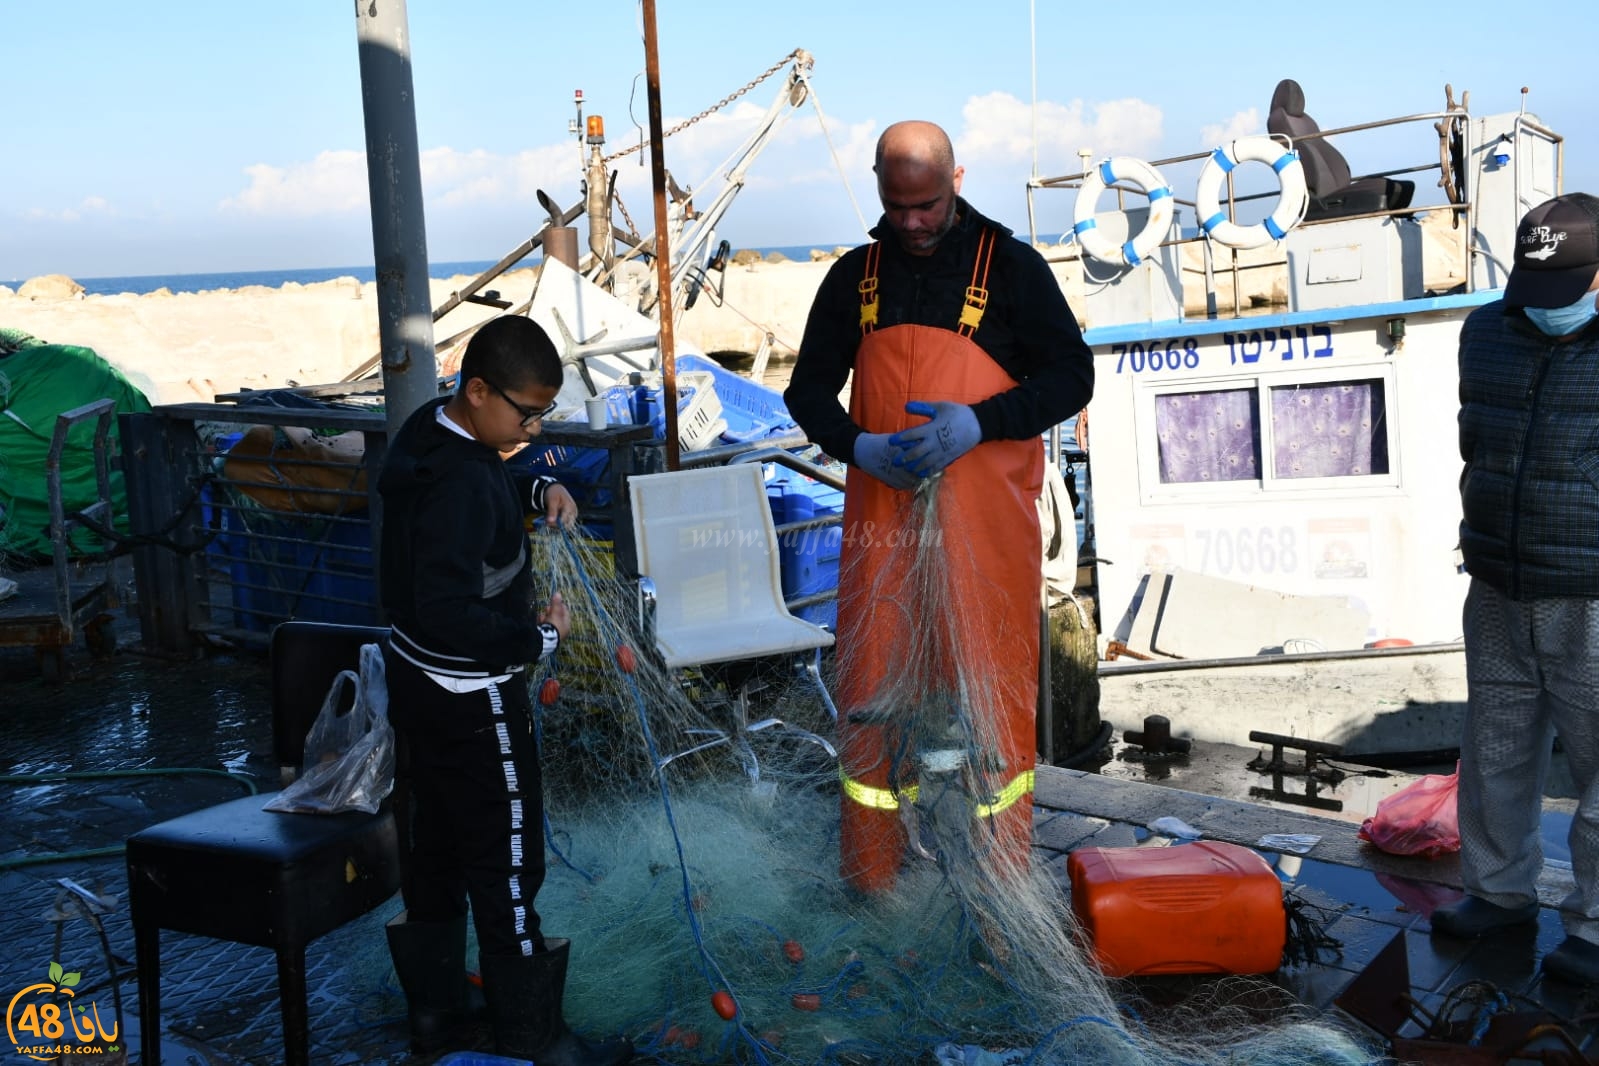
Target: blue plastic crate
808,558
478,1058
643,405
752,410
311,567
586,472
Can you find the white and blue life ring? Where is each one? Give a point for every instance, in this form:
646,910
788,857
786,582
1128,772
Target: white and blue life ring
1292,198
1137,247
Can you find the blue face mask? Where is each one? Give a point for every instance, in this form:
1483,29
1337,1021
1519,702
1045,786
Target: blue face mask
1560,321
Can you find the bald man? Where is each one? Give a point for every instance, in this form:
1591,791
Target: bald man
963,352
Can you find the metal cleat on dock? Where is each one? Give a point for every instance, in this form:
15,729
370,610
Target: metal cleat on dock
1155,740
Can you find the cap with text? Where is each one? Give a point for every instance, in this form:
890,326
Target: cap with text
1557,252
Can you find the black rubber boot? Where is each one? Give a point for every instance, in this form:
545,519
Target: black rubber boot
524,997
1472,918
430,959
1576,960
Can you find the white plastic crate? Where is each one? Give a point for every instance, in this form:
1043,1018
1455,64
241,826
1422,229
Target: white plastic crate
699,408
701,423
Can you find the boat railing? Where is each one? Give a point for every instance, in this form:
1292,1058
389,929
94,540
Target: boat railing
1224,267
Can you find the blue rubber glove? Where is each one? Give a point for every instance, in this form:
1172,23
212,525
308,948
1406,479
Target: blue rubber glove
932,446
877,454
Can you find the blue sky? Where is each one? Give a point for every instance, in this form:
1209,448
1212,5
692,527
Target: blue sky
188,137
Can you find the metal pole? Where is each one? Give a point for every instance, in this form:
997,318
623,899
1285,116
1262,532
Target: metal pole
399,233
663,239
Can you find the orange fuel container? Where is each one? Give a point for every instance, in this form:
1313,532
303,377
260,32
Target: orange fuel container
1204,907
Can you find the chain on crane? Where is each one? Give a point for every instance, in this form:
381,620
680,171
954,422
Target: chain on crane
723,102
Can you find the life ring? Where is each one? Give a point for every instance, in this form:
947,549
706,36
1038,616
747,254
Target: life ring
1136,248
1291,201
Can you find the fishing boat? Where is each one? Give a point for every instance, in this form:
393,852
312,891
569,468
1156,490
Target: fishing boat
1271,526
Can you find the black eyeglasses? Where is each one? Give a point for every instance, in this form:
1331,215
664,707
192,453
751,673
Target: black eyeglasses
530,415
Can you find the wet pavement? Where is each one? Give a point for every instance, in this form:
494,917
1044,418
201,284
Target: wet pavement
129,740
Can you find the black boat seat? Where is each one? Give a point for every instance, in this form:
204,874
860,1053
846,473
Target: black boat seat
239,873
1334,193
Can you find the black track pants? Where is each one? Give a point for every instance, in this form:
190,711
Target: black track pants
477,806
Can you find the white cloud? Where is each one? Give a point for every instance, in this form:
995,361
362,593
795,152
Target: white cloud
332,183
1242,124
797,165
553,168
89,205
335,182
457,178
998,128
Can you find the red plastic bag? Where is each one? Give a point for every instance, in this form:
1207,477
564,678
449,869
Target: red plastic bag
1420,819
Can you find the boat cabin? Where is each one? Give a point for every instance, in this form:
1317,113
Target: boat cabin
1272,457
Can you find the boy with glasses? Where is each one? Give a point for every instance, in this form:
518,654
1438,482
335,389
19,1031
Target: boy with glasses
466,619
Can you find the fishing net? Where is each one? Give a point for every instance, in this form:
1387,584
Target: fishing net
693,837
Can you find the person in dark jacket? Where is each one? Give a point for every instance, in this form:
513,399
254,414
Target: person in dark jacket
456,581
1529,435
963,352
928,250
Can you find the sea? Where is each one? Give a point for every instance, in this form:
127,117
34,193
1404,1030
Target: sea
272,279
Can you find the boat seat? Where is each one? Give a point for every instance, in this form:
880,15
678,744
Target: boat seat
711,588
239,873
1334,193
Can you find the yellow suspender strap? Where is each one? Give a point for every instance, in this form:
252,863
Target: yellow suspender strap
977,291
882,799
868,288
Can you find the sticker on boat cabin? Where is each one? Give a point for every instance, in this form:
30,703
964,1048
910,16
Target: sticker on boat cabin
1341,547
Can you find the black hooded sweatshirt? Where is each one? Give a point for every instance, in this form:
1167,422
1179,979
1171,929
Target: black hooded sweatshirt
454,575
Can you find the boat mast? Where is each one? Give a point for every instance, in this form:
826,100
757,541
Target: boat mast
663,238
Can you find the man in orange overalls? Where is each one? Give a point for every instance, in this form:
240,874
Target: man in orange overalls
964,352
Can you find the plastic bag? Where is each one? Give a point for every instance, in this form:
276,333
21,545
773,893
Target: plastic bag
349,757
1420,819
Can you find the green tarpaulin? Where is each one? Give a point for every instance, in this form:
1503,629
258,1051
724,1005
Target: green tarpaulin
37,383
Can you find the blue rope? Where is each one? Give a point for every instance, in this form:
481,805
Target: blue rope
1485,1016
1073,1023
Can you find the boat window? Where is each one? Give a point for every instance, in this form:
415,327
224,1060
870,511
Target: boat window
1208,436
1317,429
1329,429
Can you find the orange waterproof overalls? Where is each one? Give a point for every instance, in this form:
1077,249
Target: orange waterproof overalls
972,609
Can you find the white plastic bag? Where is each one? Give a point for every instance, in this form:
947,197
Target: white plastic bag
349,758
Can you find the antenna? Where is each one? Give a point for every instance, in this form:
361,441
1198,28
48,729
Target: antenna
1032,38
574,126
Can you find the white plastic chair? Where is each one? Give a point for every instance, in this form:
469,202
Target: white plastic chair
711,587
